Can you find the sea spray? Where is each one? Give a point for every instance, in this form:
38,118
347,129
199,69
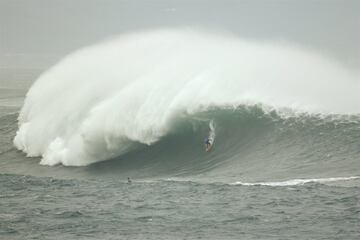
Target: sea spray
108,99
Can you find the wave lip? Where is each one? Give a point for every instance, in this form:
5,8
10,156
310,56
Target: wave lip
295,182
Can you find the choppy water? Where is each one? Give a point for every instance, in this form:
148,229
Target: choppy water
49,208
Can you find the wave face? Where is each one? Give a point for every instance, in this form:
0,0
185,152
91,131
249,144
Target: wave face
154,94
251,146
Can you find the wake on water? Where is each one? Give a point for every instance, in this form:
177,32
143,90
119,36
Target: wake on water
212,131
133,94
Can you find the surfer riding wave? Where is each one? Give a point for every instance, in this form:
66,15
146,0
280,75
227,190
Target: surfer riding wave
209,141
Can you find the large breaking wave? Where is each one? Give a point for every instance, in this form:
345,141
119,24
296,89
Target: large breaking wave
120,96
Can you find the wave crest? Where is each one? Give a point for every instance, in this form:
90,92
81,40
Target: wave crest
108,99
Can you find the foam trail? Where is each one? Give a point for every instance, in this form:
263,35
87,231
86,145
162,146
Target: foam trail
212,133
108,99
294,182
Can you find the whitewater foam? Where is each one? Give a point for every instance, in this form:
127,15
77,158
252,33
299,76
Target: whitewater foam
294,182
212,133
108,99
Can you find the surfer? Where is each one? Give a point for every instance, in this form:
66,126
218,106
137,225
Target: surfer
209,141
129,180
208,144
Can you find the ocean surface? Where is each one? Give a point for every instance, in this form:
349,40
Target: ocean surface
276,171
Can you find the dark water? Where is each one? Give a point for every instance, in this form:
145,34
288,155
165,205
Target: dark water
297,177
48,208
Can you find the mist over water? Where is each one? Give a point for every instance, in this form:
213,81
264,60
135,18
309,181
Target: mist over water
119,96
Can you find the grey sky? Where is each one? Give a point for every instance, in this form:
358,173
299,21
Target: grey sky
48,29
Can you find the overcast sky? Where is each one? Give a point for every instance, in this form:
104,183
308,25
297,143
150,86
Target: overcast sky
41,29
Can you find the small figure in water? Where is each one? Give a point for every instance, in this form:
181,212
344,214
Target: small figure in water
208,144
129,180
